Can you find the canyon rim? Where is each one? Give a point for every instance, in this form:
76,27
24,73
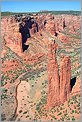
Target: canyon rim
41,66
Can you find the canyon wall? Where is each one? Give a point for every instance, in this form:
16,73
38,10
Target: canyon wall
54,25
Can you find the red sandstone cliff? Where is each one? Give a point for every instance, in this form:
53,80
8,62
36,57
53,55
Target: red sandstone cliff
50,27
65,76
58,86
53,77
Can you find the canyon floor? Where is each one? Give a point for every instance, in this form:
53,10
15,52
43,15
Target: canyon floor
24,81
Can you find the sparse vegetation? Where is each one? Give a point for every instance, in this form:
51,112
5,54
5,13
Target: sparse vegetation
33,104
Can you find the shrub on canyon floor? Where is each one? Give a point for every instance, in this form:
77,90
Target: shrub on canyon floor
25,112
4,96
41,103
3,117
54,117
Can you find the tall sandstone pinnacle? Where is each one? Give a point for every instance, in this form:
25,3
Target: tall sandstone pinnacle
65,76
53,77
58,86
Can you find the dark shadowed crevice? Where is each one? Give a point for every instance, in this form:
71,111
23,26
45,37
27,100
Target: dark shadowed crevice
24,28
25,35
45,21
72,82
56,34
36,27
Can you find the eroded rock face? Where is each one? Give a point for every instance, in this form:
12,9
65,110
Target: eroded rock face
63,23
50,27
63,38
65,76
34,29
58,86
9,65
10,33
54,25
53,77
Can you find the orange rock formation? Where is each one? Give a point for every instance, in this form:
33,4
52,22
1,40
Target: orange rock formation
58,86
65,76
53,77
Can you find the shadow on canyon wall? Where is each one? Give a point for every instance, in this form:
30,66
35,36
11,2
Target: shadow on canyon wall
72,82
24,27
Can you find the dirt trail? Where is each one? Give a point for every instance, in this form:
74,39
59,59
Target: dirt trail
22,92
23,99
17,84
